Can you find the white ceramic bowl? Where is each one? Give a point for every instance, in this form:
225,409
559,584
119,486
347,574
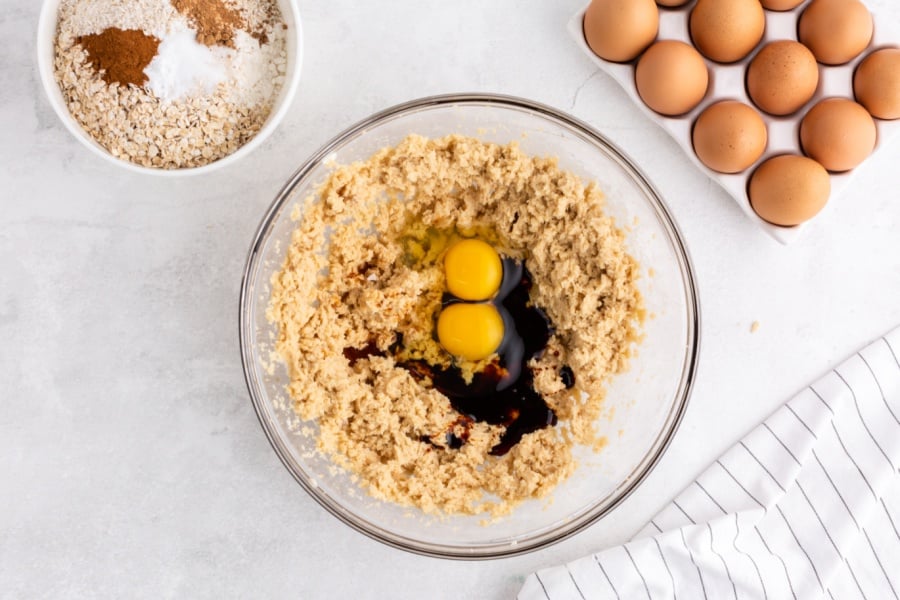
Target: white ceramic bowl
46,37
646,403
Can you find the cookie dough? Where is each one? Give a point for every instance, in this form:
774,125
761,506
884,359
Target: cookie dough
346,313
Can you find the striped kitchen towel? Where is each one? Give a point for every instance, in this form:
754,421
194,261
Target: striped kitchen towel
806,506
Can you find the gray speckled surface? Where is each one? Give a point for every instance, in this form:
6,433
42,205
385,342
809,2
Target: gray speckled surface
131,462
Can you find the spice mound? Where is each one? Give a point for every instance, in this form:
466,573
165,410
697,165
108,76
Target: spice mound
170,83
449,313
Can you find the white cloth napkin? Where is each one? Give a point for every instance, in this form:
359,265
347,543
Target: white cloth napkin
806,506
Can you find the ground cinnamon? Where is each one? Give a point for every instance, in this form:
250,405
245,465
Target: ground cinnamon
120,55
215,21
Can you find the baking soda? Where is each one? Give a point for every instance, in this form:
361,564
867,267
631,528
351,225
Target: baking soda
185,67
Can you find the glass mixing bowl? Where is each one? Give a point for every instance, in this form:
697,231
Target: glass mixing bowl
646,402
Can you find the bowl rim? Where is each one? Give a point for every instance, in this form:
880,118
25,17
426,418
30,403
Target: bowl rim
45,53
683,391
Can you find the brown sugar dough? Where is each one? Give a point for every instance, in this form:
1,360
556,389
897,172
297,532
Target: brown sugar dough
374,418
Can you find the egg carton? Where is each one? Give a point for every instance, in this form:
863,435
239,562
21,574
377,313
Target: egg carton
726,82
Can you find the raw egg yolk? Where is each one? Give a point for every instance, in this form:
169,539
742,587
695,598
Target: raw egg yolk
470,331
474,270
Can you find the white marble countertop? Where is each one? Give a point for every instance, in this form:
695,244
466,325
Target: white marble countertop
131,461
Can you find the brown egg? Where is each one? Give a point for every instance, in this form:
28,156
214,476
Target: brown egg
671,77
835,30
619,30
729,136
671,3
782,77
788,190
727,30
838,133
781,4
877,83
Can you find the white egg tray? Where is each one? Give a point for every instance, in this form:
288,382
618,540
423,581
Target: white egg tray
726,82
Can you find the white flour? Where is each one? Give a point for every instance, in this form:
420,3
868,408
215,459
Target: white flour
84,17
258,69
